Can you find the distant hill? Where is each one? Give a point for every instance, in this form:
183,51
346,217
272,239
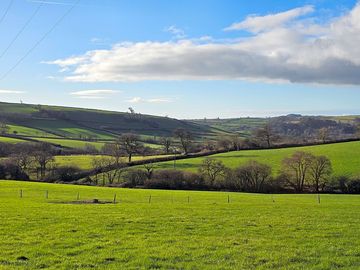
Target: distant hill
76,123
292,125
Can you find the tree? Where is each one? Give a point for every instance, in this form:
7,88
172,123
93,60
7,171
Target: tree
185,138
224,143
149,170
42,158
130,144
212,170
323,134
296,168
4,128
320,170
110,168
166,143
236,142
252,176
266,135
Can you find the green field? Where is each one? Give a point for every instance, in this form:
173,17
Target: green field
84,161
344,157
71,143
10,140
250,232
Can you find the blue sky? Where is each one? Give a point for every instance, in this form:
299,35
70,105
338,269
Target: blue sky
184,59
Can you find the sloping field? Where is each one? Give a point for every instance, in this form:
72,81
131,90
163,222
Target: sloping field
345,157
176,230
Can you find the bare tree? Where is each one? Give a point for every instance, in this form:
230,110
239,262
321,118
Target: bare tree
149,170
185,138
296,168
320,170
166,142
212,170
224,143
4,128
252,176
323,134
110,168
130,144
42,158
236,142
266,135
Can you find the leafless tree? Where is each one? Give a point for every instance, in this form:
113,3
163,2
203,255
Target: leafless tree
166,142
224,143
297,169
130,144
252,176
185,138
323,134
42,158
320,170
266,135
4,128
212,170
149,170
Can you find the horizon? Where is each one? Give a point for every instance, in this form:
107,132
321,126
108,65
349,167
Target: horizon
189,60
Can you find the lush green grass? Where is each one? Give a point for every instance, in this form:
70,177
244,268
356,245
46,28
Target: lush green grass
10,140
344,157
25,131
250,232
84,161
72,143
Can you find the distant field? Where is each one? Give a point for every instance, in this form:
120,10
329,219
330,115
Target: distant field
345,157
250,232
84,161
10,140
72,143
25,131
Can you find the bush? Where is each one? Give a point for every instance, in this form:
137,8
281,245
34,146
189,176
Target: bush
64,174
134,178
10,170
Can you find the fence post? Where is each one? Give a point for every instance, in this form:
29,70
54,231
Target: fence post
150,199
114,198
78,196
228,198
272,198
47,194
188,199
318,197
21,193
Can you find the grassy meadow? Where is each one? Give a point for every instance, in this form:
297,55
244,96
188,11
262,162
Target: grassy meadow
344,157
85,161
170,232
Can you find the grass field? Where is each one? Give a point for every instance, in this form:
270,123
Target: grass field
84,161
10,140
71,143
344,157
250,232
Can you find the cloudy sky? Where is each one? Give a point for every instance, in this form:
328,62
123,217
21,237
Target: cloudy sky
184,59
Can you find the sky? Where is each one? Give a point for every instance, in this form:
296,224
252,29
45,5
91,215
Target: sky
183,59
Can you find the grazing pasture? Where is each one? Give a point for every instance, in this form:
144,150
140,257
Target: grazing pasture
344,157
174,229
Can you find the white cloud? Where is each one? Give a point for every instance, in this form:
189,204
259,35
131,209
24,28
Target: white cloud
176,32
15,92
151,100
94,94
256,24
283,47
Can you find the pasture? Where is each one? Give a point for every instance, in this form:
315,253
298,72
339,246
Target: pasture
344,157
174,230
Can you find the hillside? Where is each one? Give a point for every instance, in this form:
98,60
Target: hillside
344,157
76,123
292,125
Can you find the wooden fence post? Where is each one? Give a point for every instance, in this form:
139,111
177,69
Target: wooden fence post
78,196
114,198
318,197
150,199
47,194
21,193
228,198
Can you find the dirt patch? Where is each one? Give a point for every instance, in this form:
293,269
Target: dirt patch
93,201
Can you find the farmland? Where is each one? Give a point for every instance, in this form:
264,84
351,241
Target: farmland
344,157
250,232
